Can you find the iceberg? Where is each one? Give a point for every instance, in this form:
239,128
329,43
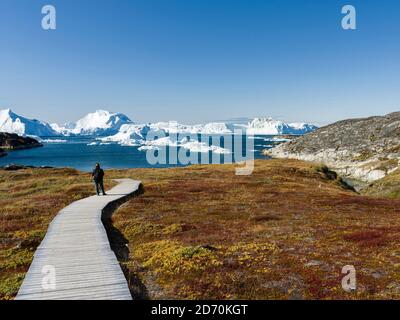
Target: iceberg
98,123
53,141
208,128
197,146
269,126
187,143
129,134
10,122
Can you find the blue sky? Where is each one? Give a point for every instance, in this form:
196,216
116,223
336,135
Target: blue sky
200,60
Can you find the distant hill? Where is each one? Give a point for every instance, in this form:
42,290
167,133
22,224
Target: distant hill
367,149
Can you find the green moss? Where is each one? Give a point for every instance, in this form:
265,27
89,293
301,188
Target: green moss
388,187
190,252
15,258
172,229
169,259
9,286
30,234
139,229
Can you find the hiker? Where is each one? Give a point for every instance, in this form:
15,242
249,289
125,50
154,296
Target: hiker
98,175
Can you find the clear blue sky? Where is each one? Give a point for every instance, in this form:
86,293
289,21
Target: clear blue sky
200,60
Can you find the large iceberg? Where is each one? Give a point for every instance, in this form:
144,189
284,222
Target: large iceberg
12,123
190,144
98,123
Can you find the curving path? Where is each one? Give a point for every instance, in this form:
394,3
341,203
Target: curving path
74,260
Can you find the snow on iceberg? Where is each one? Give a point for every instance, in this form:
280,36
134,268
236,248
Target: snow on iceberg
157,143
187,143
98,123
129,134
197,146
13,123
53,141
301,127
268,126
64,130
208,128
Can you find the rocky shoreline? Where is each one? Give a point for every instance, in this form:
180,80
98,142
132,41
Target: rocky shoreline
12,141
16,167
365,149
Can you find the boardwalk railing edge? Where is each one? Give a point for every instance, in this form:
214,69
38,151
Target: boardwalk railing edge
108,211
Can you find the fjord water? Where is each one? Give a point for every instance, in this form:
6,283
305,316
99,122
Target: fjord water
76,152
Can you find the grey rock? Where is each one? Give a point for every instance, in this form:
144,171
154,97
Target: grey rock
313,263
366,149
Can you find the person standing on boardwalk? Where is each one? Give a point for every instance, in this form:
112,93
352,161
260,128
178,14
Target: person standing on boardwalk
98,175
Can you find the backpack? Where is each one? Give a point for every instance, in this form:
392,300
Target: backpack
98,174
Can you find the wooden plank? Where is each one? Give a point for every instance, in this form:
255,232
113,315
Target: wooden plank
76,247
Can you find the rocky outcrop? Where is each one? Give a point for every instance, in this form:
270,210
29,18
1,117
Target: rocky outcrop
12,141
366,149
16,167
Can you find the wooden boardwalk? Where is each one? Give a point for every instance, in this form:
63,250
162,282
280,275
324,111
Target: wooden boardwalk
74,260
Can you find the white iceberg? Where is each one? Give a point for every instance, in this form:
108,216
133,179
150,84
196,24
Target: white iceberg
98,123
187,143
129,135
208,128
268,126
53,141
12,123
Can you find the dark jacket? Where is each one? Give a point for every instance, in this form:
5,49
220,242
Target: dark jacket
98,174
